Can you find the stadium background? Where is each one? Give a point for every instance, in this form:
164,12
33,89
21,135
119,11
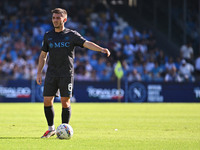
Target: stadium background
145,36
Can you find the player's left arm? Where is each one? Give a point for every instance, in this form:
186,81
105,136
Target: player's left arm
95,47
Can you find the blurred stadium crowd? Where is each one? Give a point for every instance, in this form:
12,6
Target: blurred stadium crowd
23,24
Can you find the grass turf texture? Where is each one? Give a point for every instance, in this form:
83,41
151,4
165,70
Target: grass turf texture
140,126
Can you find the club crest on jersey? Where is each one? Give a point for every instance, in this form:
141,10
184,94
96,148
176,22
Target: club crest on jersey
51,45
59,44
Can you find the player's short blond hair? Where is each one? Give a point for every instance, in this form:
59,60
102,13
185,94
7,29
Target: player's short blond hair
61,11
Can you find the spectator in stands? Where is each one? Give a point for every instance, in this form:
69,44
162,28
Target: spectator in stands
101,65
109,68
83,75
16,72
177,62
134,76
134,34
186,52
172,75
118,35
136,65
157,72
186,70
125,68
149,65
170,64
129,48
161,58
141,46
88,67
105,75
94,76
146,76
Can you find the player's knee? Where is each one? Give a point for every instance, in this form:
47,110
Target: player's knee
48,101
65,102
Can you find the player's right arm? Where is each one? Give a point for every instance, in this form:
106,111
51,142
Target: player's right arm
41,63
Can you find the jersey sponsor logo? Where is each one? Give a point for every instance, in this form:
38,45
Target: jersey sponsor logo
59,44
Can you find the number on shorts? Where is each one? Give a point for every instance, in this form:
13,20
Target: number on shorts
70,87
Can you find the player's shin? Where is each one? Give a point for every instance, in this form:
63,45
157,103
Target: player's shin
49,114
66,115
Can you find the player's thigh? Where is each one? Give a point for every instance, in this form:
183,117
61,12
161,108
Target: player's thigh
66,86
50,86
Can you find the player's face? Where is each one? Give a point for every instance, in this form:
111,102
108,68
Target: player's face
58,20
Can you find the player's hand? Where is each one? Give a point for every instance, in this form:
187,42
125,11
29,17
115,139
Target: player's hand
39,79
106,51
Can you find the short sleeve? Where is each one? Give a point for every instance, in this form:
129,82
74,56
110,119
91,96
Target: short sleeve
45,46
78,39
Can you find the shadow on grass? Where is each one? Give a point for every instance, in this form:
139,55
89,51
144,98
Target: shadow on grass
18,138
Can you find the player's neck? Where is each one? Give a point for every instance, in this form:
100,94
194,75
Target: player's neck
59,29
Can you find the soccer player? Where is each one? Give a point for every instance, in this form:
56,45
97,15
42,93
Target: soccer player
60,43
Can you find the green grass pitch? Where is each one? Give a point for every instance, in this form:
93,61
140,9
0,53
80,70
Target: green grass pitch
104,126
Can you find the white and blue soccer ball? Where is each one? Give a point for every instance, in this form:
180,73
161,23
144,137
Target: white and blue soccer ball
64,131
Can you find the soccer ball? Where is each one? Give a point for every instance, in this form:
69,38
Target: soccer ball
64,131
